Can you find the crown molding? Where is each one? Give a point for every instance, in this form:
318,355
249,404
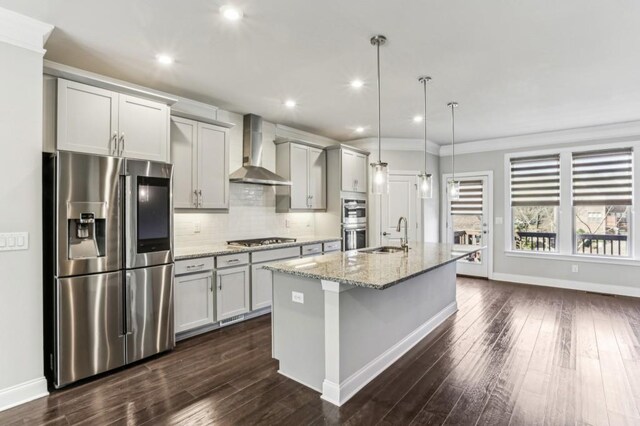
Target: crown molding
23,31
396,144
284,133
602,134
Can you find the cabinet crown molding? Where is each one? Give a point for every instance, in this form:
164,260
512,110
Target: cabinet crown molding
23,31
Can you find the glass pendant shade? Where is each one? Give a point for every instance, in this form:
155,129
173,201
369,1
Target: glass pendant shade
454,190
379,178
425,186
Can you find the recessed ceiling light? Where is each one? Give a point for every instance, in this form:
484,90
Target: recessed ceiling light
356,84
290,103
231,13
417,119
164,59
359,129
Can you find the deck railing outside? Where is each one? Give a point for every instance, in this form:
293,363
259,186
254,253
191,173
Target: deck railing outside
536,241
603,244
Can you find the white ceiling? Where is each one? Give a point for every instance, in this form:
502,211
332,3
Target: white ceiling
515,67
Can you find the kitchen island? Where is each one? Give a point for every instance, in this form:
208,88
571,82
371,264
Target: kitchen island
341,319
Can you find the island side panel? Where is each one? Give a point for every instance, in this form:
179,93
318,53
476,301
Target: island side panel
374,321
298,329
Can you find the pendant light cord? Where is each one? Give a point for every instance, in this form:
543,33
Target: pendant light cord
424,82
379,114
453,106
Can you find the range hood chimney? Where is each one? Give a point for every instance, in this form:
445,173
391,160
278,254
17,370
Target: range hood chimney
252,170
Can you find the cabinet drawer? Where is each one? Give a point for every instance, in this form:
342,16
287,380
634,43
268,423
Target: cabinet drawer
332,246
232,260
311,249
194,265
277,254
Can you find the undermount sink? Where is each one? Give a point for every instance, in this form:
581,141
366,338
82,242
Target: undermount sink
383,250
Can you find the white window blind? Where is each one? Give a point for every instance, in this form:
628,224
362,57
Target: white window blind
470,201
603,177
535,181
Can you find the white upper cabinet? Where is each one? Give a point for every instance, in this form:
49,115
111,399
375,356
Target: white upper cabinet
99,121
144,128
87,119
317,178
184,134
200,157
299,177
354,171
306,167
213,166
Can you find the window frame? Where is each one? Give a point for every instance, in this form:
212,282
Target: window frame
566,220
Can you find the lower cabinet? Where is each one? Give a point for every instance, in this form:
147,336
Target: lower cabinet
193,301
261,282
233,291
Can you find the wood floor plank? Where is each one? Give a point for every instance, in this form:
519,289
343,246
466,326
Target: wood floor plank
511,354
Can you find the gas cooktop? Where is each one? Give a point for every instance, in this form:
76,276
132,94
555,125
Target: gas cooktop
261,242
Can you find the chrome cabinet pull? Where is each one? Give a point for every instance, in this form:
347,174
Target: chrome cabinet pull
200,197
121,144
233,260
195,201
195,266
113,144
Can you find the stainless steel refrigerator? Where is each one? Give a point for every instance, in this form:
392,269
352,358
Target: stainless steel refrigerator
108,263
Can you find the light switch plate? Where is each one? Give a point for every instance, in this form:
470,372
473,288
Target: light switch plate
12,241
297,297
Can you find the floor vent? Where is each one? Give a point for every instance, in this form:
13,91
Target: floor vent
600,294
231,320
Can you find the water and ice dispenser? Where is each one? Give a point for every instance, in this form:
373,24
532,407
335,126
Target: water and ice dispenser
87,232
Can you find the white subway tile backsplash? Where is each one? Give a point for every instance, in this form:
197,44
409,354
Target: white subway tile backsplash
251,214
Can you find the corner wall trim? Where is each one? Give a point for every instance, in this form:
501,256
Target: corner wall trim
23,392
338,394
568,284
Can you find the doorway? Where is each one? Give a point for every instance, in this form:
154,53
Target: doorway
401,201
468,221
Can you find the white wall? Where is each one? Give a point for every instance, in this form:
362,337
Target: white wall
21,353
607,278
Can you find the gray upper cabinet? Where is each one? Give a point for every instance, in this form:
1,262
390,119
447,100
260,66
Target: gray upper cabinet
354,171
306,167
99,121
200,157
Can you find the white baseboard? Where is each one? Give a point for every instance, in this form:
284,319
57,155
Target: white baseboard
338,394
568,284
24,392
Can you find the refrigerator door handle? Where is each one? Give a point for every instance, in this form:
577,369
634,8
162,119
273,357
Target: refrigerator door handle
128,304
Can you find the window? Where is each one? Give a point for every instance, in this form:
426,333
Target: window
535,197
602,197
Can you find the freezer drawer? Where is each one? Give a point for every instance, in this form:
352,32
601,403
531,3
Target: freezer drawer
89,329
149,317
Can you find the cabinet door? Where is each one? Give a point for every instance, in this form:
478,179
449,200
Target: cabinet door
233,288
261,282
348,165
194,301
360,171
213,166
144,128
183,157
87,118
317,178
299,177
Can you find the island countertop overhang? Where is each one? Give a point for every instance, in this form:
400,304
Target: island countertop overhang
373,270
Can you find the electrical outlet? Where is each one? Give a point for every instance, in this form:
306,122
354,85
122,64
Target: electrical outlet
297,297
196,227
574,268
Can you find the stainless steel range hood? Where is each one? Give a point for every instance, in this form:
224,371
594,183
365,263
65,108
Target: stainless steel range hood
252,170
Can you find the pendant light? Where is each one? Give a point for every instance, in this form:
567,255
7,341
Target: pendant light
379,172
424,179
454,187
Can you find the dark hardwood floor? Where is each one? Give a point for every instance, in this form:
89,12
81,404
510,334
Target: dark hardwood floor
512,354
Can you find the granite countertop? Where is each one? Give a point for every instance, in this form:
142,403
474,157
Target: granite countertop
373,270
217,249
